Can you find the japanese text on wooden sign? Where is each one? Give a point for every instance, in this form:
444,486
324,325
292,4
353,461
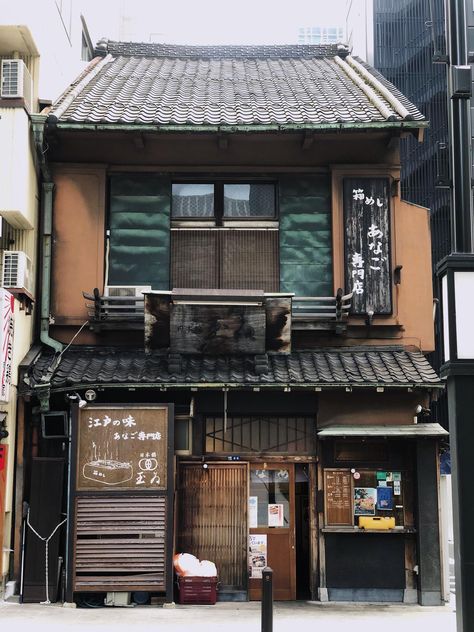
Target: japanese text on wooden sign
367,244
122,448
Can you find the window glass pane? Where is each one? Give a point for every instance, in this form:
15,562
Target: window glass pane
192,200
249,200
181,434
271,488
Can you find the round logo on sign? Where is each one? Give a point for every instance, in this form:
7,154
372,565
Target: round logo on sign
356,475
148,464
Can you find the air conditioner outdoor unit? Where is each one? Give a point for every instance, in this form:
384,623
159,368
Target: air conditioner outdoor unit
16,81
16,271
126,291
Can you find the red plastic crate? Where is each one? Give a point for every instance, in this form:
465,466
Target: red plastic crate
197,590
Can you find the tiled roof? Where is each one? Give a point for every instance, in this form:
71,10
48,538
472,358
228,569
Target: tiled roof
172,85
345,367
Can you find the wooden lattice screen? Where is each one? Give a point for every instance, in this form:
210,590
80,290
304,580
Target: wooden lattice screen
212,519
225,258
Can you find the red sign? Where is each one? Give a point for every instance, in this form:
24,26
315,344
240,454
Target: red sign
3,457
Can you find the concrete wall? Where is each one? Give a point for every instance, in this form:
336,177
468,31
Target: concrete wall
18,184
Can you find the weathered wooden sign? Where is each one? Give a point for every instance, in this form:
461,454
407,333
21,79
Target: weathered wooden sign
367,244
338,497
122,448
219,329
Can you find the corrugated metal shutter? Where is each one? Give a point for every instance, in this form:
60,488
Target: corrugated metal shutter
120,543
212,519
139,230
306,235
224,258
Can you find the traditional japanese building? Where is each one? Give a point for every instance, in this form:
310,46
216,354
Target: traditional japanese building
236,304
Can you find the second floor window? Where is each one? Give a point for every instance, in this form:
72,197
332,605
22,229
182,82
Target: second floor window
220,201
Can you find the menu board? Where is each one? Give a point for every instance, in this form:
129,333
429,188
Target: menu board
338,497
123,448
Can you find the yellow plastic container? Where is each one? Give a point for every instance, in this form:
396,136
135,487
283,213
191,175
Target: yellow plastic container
376,523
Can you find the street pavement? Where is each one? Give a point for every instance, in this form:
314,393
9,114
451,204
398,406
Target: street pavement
223,617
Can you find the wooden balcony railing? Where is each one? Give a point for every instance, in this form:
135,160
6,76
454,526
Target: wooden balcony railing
127,312
321,312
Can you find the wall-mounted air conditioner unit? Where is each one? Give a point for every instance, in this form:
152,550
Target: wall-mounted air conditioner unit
126,291
16,82
16,271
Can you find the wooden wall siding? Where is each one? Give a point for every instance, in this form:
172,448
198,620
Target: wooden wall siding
256,434
139,230
212,519
226,259
367,244
305,235
120,543
218,330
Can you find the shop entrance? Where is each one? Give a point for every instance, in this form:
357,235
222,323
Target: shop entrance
272,534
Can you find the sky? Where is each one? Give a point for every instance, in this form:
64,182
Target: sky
208,21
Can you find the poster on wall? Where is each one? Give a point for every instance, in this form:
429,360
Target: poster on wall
365,500
275,515
367,244
122,448
7,302
385,498
257,555
253,512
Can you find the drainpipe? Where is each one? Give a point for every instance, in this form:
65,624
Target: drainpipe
46,248
46,229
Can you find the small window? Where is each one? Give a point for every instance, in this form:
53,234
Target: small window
192,201
182,435
219,201
249,200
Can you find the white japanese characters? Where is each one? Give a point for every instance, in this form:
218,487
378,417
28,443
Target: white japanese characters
374,246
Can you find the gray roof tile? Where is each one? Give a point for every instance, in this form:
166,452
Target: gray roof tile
157,84
343,366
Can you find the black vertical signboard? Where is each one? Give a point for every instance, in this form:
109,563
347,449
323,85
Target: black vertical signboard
367,244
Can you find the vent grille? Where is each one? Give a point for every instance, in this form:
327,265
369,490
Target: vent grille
120,543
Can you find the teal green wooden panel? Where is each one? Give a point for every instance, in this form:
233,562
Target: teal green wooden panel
305,235
139,230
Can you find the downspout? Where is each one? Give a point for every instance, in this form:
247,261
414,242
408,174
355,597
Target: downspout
46,230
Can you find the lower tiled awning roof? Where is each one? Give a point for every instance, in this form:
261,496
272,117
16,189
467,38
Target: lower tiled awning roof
335,367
